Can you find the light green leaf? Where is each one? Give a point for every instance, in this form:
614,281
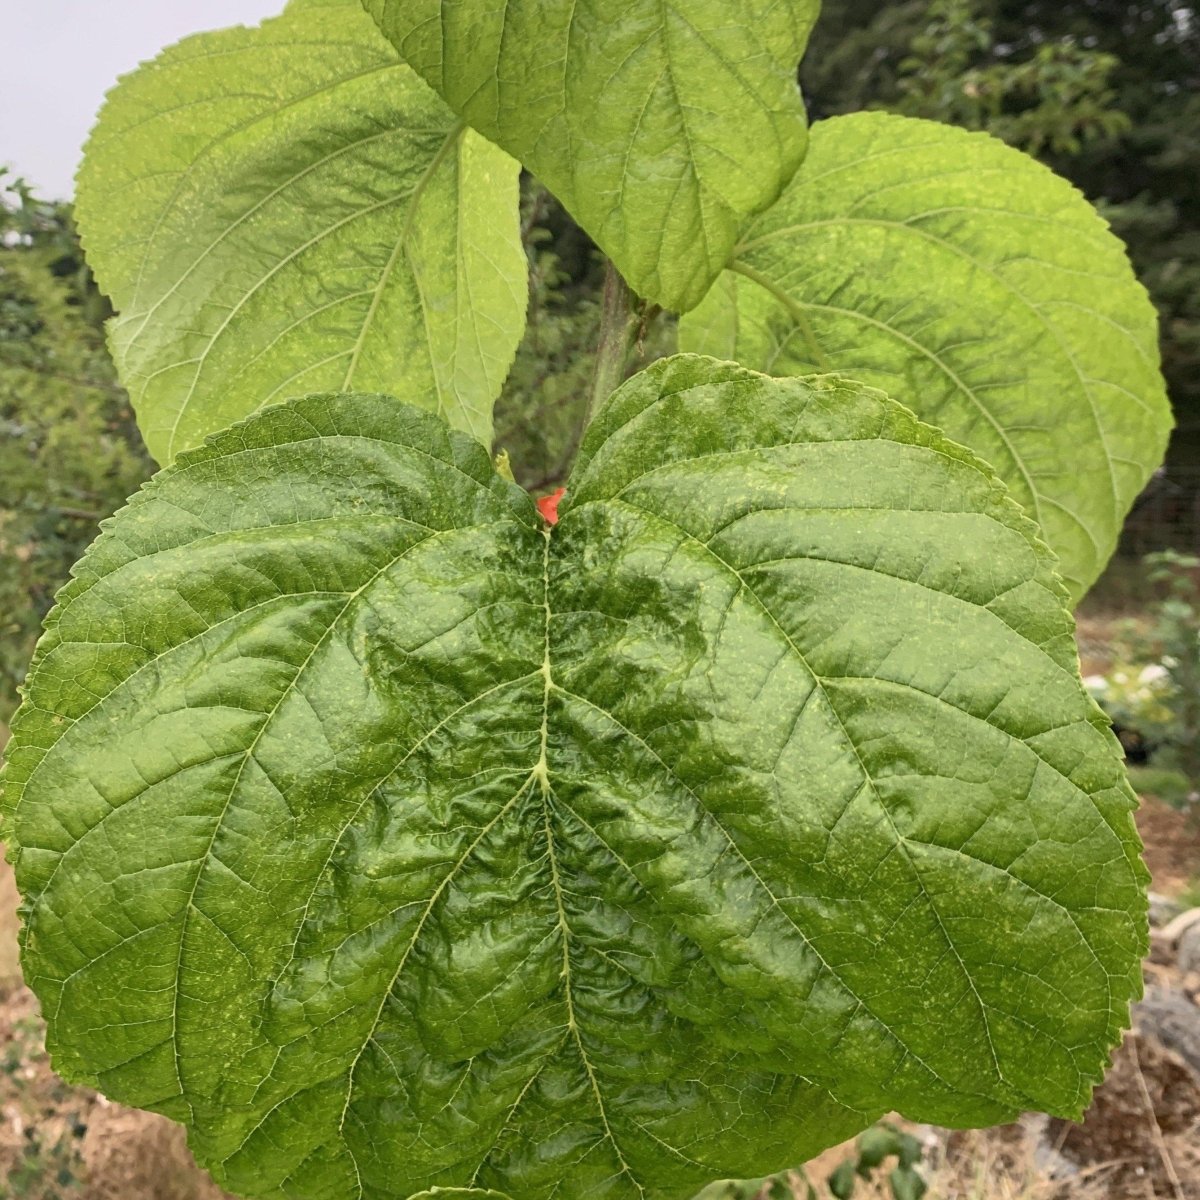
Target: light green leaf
392,839
660,126
288,209
979,289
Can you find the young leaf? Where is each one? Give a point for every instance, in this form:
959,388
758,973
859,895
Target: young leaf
289,208
661,127
394,838
977,288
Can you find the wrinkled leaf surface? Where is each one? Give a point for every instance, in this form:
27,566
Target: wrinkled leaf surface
393,839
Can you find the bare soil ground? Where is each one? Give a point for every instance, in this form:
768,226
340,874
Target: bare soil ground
1140,1140
1172,841
58,1141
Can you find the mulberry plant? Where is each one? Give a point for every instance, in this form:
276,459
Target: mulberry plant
403,836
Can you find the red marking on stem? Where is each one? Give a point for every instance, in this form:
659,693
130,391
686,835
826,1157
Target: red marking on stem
548,506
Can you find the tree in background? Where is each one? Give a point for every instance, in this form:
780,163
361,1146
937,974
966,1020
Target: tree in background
1056,100
1147,175
543,408
69,450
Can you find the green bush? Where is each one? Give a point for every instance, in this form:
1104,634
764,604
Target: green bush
69,450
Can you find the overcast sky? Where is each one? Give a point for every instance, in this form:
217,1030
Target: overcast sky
59,57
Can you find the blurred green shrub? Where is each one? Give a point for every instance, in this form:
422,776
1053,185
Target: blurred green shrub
1175,639
1059,99
873,1151
69,450
1153,691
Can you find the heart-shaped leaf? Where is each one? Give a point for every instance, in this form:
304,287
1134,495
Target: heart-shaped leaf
289,208
394,838
660,126
977,288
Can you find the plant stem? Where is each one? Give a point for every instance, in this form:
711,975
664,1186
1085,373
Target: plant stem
618,331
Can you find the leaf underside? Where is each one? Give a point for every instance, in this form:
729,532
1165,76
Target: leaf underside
976,287
289,208
392,840
660,126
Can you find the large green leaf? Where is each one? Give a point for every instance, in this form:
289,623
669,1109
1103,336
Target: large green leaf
392,839
289,209
976,287
660,126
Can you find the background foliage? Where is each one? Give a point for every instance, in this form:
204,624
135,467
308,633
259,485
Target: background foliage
69,449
